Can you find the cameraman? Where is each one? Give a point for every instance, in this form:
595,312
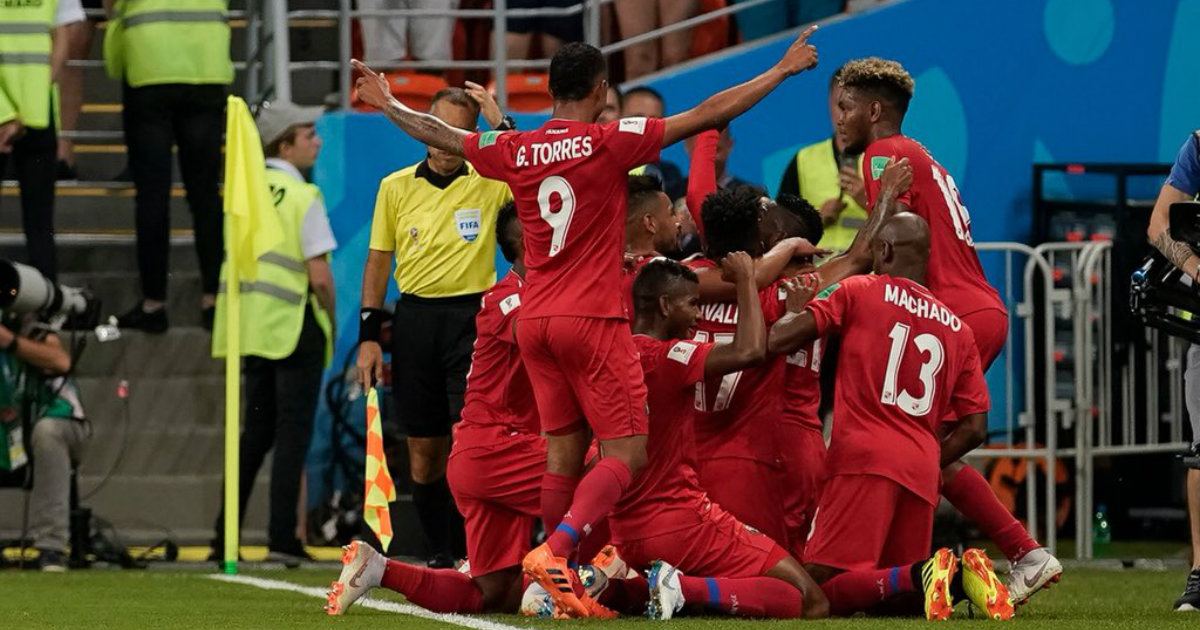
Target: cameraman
33,369
1183,184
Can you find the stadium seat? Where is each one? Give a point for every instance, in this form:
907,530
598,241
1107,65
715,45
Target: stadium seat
713,35
528,92
413,89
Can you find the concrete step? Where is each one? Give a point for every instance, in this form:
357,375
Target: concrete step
90,207
99,254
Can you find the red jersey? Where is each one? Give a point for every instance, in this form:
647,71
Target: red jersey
668,483
736,414
955,275
802,386
569,181
498,390
907,362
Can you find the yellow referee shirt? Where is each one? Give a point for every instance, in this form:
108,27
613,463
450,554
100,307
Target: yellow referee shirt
441,228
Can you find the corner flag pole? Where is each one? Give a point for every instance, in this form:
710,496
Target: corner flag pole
233,406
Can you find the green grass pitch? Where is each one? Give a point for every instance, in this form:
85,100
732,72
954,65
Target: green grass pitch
169,599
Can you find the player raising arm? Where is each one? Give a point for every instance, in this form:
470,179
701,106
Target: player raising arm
666,522
875,516
870,112
568,179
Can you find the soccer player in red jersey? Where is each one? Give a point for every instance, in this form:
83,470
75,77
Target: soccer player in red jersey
737,414
870,111
494,470
801,441
666,521
875,516
568,179
652,229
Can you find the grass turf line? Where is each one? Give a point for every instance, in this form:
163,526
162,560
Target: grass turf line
165,600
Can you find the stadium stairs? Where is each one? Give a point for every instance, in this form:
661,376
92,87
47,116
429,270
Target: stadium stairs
154,467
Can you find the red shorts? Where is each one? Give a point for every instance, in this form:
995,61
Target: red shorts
991,332
867,522
711,543
495,476
803,475
585,368
748,489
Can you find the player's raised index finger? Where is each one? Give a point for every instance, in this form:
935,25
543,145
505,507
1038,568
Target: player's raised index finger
807,32
361,67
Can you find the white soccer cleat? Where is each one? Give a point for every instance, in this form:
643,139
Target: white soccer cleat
1031,573
536,602
666,595
362,570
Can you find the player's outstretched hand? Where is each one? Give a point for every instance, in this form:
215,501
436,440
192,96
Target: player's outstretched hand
801,55
737,267
800,291
896,178
487,104
372,86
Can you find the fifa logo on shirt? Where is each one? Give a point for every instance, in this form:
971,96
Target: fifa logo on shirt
468,222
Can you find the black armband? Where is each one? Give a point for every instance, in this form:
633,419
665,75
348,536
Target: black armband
507,124
370,324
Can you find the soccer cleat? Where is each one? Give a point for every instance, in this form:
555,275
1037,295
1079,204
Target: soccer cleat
983,588
1190,600
666,595
362,570
536,602
1032,572
553,574
611,564
936,576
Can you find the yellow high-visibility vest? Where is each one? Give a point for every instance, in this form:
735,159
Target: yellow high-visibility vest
152,42
25,62
817,173
273,303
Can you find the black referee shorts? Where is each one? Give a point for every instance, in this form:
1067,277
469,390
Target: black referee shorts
432,339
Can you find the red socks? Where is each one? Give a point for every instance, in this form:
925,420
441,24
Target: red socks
557,493
439,590
598,492
744,597
971,494
856,591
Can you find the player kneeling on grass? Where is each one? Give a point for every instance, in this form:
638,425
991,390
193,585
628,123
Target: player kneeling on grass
666,521
495,470
874,521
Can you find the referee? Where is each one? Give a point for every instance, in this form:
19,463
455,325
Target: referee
438,218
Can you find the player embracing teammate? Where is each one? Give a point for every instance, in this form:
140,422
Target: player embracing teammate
568,179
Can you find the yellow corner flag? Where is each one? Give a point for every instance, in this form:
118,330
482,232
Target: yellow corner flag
251,230
253,225
379,490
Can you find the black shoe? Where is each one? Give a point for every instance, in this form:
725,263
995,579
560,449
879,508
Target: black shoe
208,314
52,561
138,319
216,554
440,561
66,172
291,558
1190,600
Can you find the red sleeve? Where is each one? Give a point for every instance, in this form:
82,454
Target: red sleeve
486,152
683,362
504,313
970,389
830,312
702,176
635,141
876,157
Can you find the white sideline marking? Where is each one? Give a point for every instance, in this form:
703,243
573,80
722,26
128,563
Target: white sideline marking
374,604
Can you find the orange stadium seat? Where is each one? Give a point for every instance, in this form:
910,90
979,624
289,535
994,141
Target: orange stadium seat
413,89
528,92
712,35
